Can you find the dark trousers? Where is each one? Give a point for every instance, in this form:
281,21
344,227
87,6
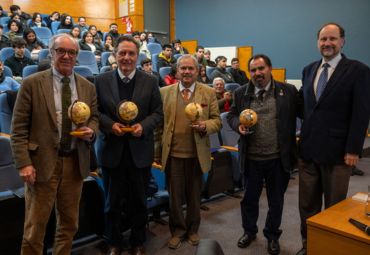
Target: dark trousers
276,180
129,183
184,175
316,180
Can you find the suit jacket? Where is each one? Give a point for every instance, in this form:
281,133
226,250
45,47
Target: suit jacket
34,130
337,123
211,116
287,103
150,113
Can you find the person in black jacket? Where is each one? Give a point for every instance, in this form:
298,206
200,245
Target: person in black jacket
24,15
4,41
114,31
239,76
87,43
36,21
177,48
54,17
66,22
33,43
1,12
146,66
166,58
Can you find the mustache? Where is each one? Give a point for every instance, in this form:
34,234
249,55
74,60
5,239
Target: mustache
328,47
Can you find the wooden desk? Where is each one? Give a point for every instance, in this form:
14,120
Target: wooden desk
3,134
329,232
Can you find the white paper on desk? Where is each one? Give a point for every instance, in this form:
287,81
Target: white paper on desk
360,197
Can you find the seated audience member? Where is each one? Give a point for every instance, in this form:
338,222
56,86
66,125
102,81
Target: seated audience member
143,38
108,47
7,83
66,22
177,48
202,76
16,9
54,17
75,33
207,56
2,14
166,58
143,48
199,55
151,38
15,29
16,17
33,43
146,66
94,31
87,43
43,65
171,77
4,41
239,76
18,61
113,31
224,97
82,23
220,71
36,21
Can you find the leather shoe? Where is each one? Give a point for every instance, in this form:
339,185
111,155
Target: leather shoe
138,251
245,241
193,239
302,251
273,247
174,242
115,251
356,171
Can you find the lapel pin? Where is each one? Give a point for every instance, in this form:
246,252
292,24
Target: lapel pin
281,92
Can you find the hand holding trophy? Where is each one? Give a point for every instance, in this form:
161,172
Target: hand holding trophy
127,112
193,111
248,118
79,113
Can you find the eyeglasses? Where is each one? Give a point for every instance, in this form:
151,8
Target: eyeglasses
62,52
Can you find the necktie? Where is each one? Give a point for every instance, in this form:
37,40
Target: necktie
65,142
260,93
126,80
323,79
185,94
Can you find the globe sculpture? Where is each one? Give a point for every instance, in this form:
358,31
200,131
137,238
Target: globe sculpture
193,111
248,118
79,113
127,112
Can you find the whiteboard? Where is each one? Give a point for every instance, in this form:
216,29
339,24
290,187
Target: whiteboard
123,7
228,52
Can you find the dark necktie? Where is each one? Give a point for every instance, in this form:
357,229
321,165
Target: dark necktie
260,93
126,80
65,142
323,80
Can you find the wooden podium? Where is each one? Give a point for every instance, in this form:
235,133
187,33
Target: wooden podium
329,232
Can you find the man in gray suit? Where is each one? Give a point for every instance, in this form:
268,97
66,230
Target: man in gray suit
126,157
51,162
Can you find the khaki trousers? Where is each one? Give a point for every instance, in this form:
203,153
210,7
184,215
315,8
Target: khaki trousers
64,188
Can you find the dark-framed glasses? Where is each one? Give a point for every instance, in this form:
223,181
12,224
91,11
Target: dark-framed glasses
61,52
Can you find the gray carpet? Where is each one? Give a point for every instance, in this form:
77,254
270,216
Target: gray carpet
223,223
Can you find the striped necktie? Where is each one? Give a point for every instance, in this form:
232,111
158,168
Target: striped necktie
65,142
323,80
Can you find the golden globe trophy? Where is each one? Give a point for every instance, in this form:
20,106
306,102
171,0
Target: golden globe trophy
193,111
127,112
79,113
248,118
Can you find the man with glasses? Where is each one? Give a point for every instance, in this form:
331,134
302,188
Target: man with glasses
113,31
50,161
82,24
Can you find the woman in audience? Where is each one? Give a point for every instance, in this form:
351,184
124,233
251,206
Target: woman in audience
150,35
36,21
15,16
94,31
1,13
87,43
171,77
54,17
7,83
66,22
4,41
143,38
224,97
33,43
202,77
108,47
15,29
75,33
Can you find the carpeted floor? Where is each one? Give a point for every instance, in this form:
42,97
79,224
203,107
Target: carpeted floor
223,223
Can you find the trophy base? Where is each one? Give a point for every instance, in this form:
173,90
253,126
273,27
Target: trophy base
193,126
248,132
127,129
77,133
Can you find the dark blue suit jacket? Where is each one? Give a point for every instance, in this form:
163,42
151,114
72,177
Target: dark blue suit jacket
287,105
150,113
337,123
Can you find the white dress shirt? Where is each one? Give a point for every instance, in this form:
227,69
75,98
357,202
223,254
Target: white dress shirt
130,76
333,64
256,90
191,89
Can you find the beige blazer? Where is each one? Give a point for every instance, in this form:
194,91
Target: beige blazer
211,116
34,133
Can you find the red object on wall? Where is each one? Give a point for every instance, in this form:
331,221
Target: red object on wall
128,22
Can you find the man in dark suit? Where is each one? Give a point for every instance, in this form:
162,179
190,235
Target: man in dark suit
126,157
239,76
270,152
336,93
146,66
51,162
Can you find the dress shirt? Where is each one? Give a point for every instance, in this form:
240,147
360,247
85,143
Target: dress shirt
257,89
57,86
191,89
122,76
333,64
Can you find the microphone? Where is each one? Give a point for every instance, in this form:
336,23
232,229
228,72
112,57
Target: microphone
360,225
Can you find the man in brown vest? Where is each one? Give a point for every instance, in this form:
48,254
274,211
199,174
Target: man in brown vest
184,151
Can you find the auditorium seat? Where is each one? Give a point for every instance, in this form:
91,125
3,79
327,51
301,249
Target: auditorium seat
228,69
43,33
232,86
104,35
155,58
229,136
43,54
209,247
164,71
154,48
29,70
102,70
82,33
87,58
5,114
4,20
141,56
44,15
82,70
209,71
178,55
8,52
7,72
103,58
54,27
60,31
127,34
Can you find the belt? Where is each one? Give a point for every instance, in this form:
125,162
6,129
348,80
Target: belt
66,154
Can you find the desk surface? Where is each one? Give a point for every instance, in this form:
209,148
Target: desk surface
335,219
2,134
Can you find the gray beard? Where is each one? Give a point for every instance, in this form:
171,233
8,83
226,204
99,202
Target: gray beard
259,84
